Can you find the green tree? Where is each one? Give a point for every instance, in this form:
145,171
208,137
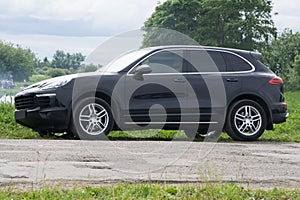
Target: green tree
228,23
66,60
59,60
282,55
297,64
42,66
75,60
43,63
16,61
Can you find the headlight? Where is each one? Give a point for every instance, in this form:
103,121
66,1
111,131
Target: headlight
55,83
52,83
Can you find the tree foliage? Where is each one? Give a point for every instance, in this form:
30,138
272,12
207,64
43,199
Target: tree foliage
61,64
16,61
66,60
89,67
22,63
282,55
55,72
227,23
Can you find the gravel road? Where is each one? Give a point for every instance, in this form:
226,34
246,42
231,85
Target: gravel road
36,163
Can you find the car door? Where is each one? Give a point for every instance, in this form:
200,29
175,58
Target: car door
211,85
157,99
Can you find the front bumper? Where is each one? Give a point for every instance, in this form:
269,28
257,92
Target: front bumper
54,118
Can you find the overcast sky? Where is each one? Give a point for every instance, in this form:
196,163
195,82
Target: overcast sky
81,25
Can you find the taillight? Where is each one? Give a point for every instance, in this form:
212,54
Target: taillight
284,106
276,81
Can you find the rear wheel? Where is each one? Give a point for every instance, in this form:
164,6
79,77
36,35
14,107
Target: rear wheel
92,119
246,120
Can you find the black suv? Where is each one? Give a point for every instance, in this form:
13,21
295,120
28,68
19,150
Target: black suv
201,90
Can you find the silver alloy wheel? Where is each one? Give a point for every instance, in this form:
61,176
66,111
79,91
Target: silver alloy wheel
93,119
248,120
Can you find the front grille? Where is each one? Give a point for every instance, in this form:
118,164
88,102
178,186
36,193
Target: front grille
30,102
24,102
43,102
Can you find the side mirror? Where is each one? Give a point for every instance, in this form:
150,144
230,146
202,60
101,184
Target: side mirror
140,71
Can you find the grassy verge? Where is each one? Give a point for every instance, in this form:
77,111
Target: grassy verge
289,131
9,129
150,191
285,132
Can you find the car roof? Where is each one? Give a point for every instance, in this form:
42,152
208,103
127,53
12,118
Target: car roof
257,55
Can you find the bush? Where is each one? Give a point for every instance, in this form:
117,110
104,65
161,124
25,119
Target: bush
38,78
54,72
89,68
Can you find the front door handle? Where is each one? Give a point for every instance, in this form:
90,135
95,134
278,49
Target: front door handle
179,80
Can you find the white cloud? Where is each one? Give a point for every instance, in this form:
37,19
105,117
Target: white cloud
70,25
288,14
36,23
106,17
96,16
46,45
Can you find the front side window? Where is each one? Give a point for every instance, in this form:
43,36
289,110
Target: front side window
169,61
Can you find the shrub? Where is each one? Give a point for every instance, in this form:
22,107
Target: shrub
54,72
38,78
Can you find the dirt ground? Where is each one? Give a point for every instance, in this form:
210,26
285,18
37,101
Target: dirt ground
37,163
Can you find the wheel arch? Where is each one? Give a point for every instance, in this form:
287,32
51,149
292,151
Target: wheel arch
258,100
101,95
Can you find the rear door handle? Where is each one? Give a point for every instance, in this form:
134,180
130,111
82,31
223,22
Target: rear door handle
232,80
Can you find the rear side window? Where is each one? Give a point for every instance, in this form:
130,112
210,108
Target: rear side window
218,59
204,61
235,63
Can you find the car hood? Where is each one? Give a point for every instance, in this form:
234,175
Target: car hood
66,78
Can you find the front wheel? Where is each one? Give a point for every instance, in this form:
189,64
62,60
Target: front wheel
92,119
246,120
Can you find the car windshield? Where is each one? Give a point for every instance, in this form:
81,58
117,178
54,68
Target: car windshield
123,61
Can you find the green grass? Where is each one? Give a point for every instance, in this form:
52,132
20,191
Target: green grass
154,191
289,131
9,129
285,132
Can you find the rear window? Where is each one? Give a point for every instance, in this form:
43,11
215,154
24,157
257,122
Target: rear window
259,65
235,63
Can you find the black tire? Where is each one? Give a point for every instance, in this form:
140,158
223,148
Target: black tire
202,134
86,121
68,135
246,120
45,133
191,134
